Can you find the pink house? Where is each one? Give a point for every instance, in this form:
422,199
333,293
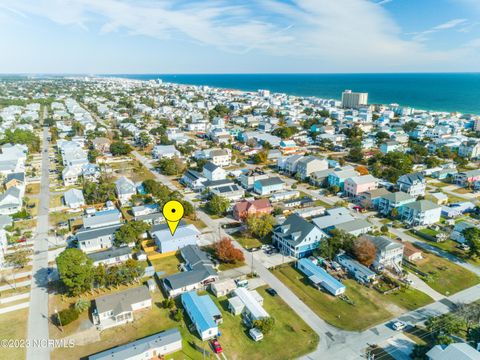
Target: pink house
358,184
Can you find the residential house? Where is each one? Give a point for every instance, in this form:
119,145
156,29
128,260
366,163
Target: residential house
231,192
245,208
338,177
458,231
199,272
154,346
74,199
220,157
248,177
71,174
112,256
203,313
457,351
223,287
16,179
371,199
389,254
465,178
91,172
361,273
101,144
392,201
356,185
213,172
165,152
90,240
310,164
320,278
411,252
183,236
297,237
469,149
119,308
390,146
193,179
125,189
289,163
249,304
11,201
412,184
319,178
268,186
102,218
284,195
422,212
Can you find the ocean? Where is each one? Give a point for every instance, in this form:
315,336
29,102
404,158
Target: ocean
429,91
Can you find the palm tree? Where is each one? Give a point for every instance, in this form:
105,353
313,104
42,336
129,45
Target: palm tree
81,305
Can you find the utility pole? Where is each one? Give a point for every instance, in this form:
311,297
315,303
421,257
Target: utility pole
59,320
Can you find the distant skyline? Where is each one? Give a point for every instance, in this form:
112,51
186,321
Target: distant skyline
220,36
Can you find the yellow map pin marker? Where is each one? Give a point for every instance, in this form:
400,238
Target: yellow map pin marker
173,213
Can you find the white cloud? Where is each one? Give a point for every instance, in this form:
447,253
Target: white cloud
353,35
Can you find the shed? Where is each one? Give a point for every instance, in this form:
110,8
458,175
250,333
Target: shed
223,288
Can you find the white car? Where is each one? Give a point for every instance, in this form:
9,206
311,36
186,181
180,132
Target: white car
399,325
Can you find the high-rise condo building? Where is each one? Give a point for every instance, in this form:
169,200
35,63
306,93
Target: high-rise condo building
354,100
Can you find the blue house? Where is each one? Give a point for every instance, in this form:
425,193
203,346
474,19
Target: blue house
320,277
203,313
338,177
268,186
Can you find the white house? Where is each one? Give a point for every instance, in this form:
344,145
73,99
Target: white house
74,198
412,184
125,189
213,172
422,212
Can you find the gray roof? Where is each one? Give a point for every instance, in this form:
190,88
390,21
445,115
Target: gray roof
217,183
110,253
411,178
106,219
89,234
422,205
354,225
73,196
397,197
210,166
138,347
270,181
122,300
194,256
294,229
382,243
20,176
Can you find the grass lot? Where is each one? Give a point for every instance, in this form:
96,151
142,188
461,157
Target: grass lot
322,203
454,199
444,276
439,184
289,328
234,339
55,201
60,216
370,307
32,207
199,224
25,224
13,325
462,191
247,241
169,265
32,189
133,170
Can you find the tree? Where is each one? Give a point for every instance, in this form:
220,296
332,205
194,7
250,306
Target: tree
355,154
441,327
338,240
261,157
130,232
472,237
100,192
118,148
217,205
174,166
381,136
260,225
18,259
384,229
93,155
362,170
226,252
66,316
265,325
364,250
144,140
76,271
20,136
285,131
81,305
394,213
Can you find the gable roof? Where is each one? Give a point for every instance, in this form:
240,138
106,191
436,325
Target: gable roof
422,205
270,181
411,178
294,229
209,166
122,300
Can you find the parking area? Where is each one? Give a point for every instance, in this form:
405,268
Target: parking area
270,258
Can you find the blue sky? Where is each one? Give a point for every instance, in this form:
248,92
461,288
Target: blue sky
220,36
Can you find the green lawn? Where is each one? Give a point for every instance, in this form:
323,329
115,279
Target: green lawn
289,329
248,241
13,325
444,276
169,265
366,311
409,299
56,201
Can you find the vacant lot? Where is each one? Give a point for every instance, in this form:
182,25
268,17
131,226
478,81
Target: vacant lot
13,325
167,265
444,276
368,306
